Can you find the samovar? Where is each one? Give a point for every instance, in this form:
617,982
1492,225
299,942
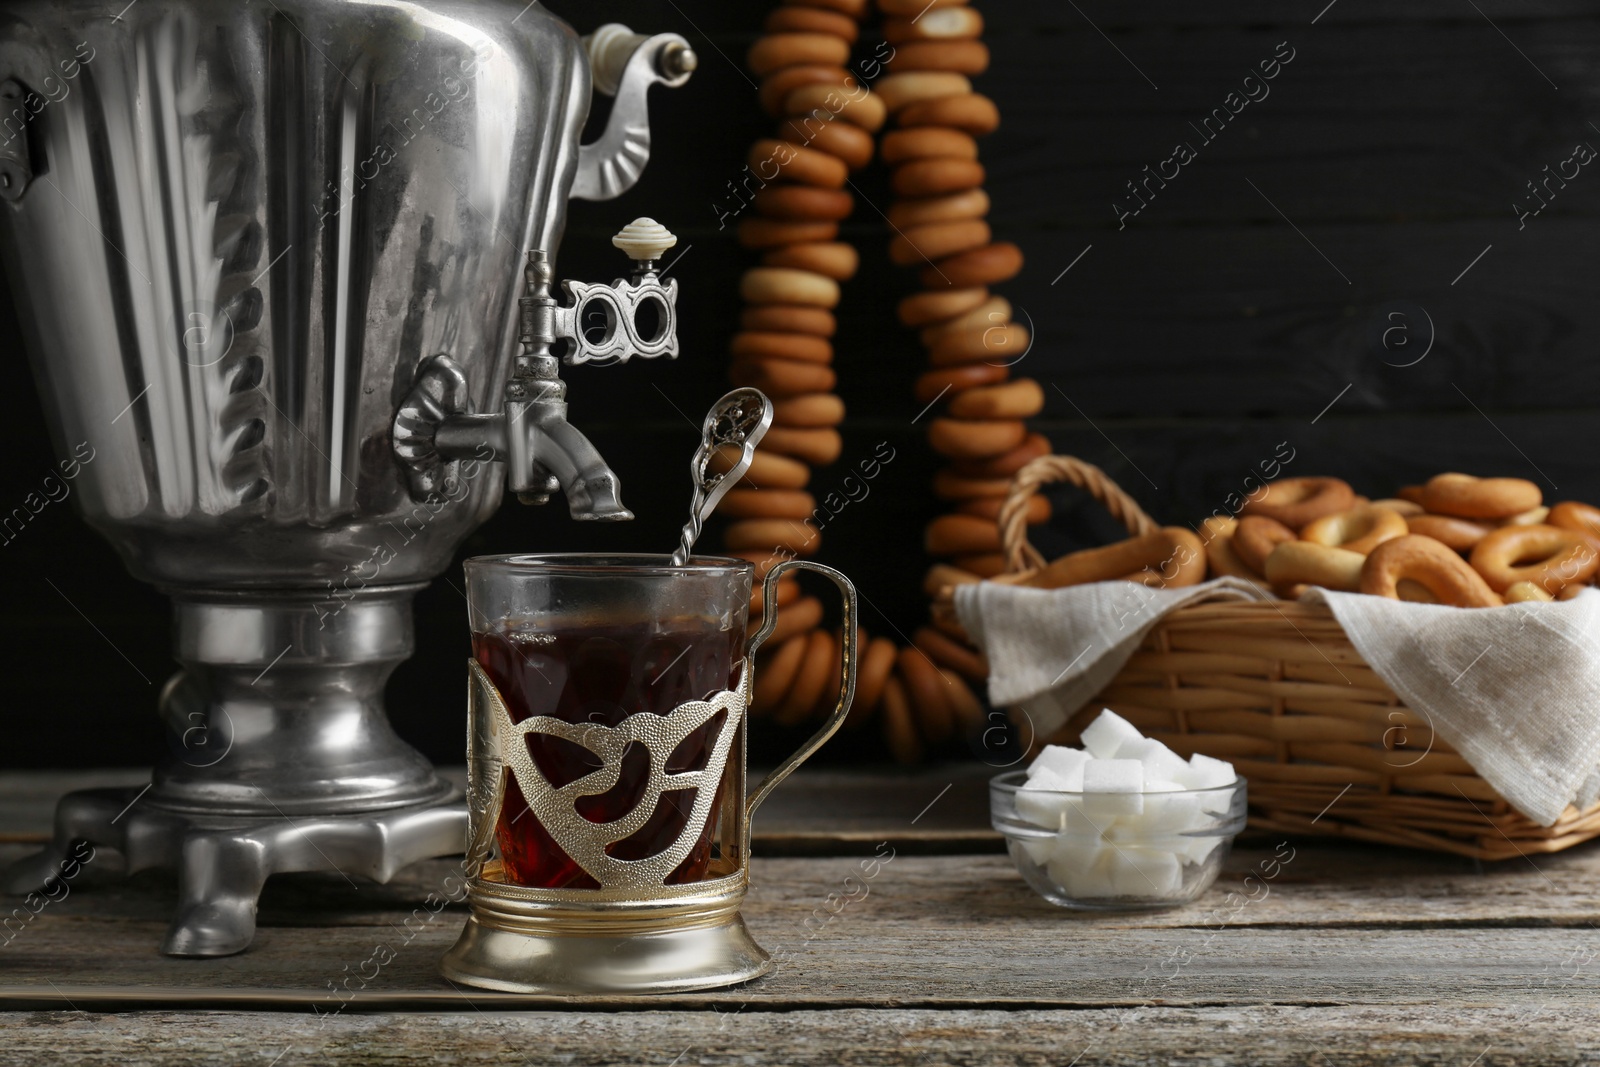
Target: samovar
287,266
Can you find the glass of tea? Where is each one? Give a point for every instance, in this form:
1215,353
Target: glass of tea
608,748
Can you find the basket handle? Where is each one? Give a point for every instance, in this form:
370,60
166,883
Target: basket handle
1022,556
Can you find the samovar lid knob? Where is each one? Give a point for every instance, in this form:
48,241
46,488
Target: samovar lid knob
644,240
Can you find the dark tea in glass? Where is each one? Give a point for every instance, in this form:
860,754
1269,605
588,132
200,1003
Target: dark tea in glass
595,640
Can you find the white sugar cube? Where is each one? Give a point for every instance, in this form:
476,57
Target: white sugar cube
1170,813
1040,801
1076,853
1113,787
1081,868
1038,849
1065,763
1144,872
1081,818
1125,829
1113,776
1108,733
1195,849
1207,773
1039,809
1161,764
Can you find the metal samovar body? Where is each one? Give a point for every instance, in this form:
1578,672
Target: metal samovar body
286,266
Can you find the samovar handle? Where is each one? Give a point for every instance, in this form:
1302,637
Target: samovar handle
625,64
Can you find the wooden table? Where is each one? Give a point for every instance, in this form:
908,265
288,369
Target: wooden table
1350,954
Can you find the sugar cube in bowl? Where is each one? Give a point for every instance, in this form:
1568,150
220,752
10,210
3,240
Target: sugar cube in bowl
1124,823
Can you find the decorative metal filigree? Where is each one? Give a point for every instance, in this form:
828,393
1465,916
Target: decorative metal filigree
620,303
486,770
497,746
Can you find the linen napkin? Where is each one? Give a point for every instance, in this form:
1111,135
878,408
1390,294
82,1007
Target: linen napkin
1515,690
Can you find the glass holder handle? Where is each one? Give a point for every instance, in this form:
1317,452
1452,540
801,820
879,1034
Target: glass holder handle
847,691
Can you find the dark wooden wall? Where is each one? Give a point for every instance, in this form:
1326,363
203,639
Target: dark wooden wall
1244,307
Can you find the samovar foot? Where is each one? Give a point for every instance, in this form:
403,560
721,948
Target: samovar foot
222,864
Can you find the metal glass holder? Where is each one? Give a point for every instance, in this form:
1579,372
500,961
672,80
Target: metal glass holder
634,934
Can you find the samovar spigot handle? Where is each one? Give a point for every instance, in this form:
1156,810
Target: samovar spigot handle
634,316
435,429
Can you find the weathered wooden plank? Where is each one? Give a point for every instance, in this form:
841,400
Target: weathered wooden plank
28,798
1326,882
1337,924
1110,15
1260,1036
1360,124
818,811
1355,127
1254,320
920,965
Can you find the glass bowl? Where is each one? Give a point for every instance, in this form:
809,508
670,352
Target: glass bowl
1117,851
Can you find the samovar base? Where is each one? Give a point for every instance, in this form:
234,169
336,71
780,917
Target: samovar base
223,862
589,943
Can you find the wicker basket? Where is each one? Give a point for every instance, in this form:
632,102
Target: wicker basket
1278,689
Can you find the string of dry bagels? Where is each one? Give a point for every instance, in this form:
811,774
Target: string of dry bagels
918,85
